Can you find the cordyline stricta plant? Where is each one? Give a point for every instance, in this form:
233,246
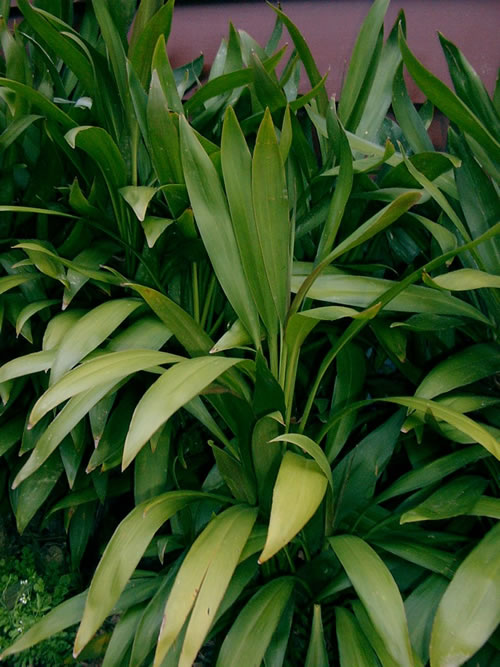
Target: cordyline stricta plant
249,343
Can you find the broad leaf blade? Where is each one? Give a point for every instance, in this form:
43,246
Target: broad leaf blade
298,492
250,635
469,610
171,391
121,556
378,592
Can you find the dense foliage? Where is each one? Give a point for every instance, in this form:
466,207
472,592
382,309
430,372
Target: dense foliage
249,342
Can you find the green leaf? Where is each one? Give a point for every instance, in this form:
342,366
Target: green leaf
378,592
443,98
154,227
142,49
351,373
354,647
170,392
306,57
407,116
39,101
27,364
432,472
420,608
89,332
380,96
163,135
469,610
123,553
31,309
470,365
237,170
90,258
461,422
343,186
250,635
10,282
202,580
138,198
316,651
298,492
214,222
363,291
469,86
187,331
10,433
358,75
102,370
74,410
100,146
311,448
61,43
31,494
466,279
122,637
355,477
161,64
236,336
453,499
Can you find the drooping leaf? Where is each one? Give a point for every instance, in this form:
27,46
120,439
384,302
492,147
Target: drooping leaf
122,555
455,498
170,392
202,581
247,640
212,217
89,332
470,365
103,369
469,610
298,492
378,592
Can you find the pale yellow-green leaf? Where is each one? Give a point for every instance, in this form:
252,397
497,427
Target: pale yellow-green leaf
202,581
170,392
469,610
298,492
378,592
122,554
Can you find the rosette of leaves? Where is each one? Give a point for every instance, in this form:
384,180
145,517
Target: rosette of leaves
273,357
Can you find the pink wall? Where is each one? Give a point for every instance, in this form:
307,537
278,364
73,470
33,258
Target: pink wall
330,28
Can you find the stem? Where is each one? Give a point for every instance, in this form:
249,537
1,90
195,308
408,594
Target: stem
208,301
196,293
273,355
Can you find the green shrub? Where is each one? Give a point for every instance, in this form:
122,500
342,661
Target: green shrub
271,412
29,588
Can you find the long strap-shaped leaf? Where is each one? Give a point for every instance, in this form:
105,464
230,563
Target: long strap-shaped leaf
123,553
170,392
246,642
237,170
298,492
451,105
202,581
469,610
105,368
270,203
378,592
214,222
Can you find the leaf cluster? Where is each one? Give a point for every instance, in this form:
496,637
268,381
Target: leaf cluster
250,342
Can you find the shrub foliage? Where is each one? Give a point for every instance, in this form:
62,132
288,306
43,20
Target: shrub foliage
249,342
